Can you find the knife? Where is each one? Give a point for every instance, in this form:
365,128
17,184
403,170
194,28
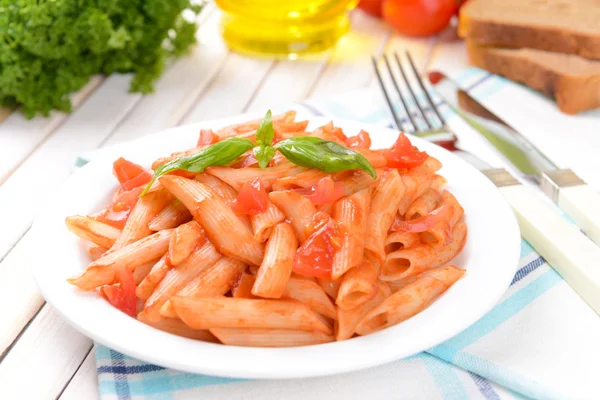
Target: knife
563,186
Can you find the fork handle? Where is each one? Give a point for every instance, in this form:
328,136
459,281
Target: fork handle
573,255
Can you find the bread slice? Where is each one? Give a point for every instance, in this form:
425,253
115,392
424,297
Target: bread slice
572,80
563,26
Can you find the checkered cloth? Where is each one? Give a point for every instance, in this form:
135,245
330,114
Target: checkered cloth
541,340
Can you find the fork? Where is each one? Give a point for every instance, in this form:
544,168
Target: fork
562,244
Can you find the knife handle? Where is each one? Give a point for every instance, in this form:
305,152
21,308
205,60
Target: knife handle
582,204
573,255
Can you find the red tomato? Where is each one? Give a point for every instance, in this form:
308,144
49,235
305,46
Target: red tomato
122,294
423,223
130,174
419,17
207,137
315,256
323,192
372,7
403,154
117,213
361,141
247,160
252,198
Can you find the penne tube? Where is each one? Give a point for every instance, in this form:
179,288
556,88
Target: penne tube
237,177
330,287
96,252
102,271
326,208
303,179
447,270
274,272
375,157
311,294
417,180
409,300
298,209
226,192
359,180
438,182
243,288
440,234
150,282
348,319
263,223
223,228
423,205
235,130
176,327
403,263
226,312
259,337
87,228
176,278
146,208
358,286
216,280
384,206
185,239
401,240
142,271
163,160
173,215
350,213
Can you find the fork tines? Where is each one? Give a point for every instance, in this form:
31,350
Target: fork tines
413,110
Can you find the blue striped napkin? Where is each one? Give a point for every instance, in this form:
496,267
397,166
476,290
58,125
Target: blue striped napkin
539,341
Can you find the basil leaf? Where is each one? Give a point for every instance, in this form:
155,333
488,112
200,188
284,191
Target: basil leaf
220,153
265,132
263,155
314,152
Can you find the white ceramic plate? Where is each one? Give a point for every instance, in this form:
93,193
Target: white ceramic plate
490,258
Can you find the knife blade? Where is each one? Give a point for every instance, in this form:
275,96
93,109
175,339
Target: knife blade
563,186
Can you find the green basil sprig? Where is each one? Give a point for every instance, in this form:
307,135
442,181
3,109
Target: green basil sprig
314,152
220,153
265,133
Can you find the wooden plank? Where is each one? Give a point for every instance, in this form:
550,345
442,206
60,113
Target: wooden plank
84,384
350,66
52,162
20,136
44,361
177,90
232,89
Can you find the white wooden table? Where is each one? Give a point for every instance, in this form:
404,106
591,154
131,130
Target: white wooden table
40,355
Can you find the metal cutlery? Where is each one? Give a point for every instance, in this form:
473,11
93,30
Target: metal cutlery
560,242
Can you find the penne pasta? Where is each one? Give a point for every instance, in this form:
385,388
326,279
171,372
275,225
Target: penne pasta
237,177
348,319
176,278
150,282
401,240
274,272
243,288
215,280
297,208
142,271
384,206
417,180
223,228
185,239
403,263
263,223
311,294
438,182
359,180
259,337
303,179
440,233
358,286
423,205
96,252
350,213
226,312
146,208
102,271
173,215
176,327
375,157
234,130
87,228
330,287
409,300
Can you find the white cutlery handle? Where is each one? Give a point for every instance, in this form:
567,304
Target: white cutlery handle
582,204
567,250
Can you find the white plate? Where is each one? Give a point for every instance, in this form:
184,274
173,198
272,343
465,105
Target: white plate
490,258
